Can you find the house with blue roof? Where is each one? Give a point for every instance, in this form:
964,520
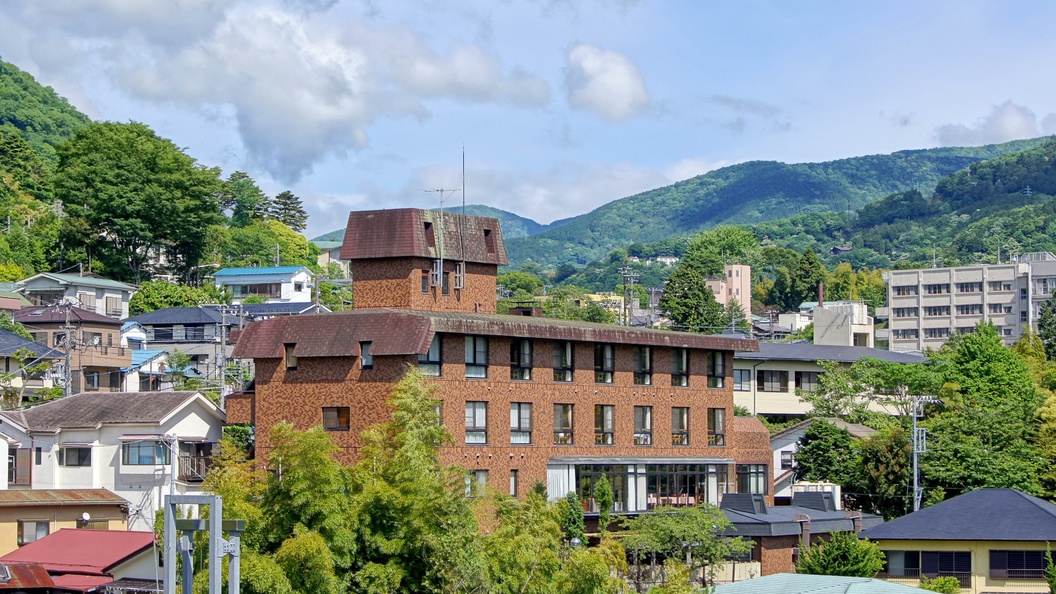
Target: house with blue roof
277,284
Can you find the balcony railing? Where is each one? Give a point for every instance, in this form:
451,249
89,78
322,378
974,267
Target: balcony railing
194,468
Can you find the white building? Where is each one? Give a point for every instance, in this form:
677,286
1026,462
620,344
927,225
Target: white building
96,294
785,443
734,284
131,443
926,306
277,284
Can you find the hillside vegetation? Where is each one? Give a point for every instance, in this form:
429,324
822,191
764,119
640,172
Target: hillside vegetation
38,113
747,193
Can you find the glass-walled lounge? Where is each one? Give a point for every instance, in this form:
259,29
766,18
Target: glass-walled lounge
639,485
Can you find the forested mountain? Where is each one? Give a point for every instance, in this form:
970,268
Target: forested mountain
513,226
744,194
43,118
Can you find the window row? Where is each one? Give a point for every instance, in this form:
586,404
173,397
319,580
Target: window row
522,423
768,380
563,365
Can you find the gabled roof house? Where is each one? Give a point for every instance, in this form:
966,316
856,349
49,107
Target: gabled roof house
86,560
88,291
277,284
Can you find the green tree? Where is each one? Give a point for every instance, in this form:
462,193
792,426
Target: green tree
128,193
1047,326
782,293
520,284
843,554
286,208
307,563
179,365
155,295
827,453
604,498
886,472
734,318
7,323
260,243
523,552
808,275
246,201
689,303
570,512
241,483
945,584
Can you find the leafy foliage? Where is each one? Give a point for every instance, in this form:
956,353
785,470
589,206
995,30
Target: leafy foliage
39,115
843,554
155,295
826,453
287,209
689,303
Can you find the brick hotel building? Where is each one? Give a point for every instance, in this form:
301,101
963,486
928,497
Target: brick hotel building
527,399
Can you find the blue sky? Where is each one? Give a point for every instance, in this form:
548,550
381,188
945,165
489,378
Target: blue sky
561,106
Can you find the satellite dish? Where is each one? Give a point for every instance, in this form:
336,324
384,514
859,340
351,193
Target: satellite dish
86,516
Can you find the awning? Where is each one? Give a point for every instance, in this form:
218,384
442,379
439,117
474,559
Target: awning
76,444
194,439
142,437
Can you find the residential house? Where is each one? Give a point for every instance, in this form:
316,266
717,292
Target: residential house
802,583
132,443
11,300
21,357
284,284
95,352
199,332
27,515
330,253
765,381
527,399
133,335
89,560
785,443
991,540
87,291
779,531
148,372
26,578
926,306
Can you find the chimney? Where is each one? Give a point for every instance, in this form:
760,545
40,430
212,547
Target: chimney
821,294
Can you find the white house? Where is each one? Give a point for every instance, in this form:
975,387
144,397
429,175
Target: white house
131,443
278,284
785,443
96,294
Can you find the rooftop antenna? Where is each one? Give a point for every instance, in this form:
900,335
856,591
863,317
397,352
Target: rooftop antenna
438,272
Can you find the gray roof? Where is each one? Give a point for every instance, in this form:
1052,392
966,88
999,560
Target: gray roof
801,583
92,409
855,429
802,351
178,315
11,342
75,279
279,309
750,515
980,515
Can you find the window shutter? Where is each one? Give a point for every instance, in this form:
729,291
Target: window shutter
929,564
23,466
998,565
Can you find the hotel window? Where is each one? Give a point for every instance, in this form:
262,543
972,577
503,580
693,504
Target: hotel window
288,357
787,460
520,422
807,380
477,356
970,310
771,381
936,332
716,369
680,367
643,366
520,359
906,333
604,424
513,483
476,422
562,424
965,329
563,361
969,287
996,308
742,380
75,456
476,483
144,453
643,425
603,363
752,478
32,530
905,312
937,289
937,310
366,360
679,426
425,281
904,290
716,426
999,286
429,362
445,287
336,418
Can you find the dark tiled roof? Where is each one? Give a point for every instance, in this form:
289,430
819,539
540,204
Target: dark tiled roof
400,233
91,409
57,315
283,309
802,351
984,514
35,497
783,520
407,332
855,429
178,315
11,342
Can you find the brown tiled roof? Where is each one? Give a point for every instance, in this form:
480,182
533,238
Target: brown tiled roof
91,409
57,315
32,497
408,332
400,233
28,577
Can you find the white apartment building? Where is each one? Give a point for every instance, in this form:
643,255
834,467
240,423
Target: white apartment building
927,306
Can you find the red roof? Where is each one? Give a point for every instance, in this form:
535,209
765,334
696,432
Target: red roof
415,233
90,552
83,583
28,577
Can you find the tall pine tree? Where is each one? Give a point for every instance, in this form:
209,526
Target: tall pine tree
286,208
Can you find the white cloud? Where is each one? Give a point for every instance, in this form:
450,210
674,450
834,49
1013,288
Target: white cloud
1006,122
604,81
692,167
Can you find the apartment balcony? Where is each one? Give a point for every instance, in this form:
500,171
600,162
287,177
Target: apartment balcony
194,468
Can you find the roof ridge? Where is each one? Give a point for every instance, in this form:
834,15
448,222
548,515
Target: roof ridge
1036,502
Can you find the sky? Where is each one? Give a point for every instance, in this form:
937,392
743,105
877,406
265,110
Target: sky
559,106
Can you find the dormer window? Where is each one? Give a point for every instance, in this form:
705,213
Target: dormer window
289,358
430,236
489,241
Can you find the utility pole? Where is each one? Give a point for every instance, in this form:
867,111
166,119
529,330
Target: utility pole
628,288
920,443
68,344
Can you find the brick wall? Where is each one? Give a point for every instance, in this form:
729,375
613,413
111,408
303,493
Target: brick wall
397,283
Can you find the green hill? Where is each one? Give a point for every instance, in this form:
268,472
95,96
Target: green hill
747,193
38,113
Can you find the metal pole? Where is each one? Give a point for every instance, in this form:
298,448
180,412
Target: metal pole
916,457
